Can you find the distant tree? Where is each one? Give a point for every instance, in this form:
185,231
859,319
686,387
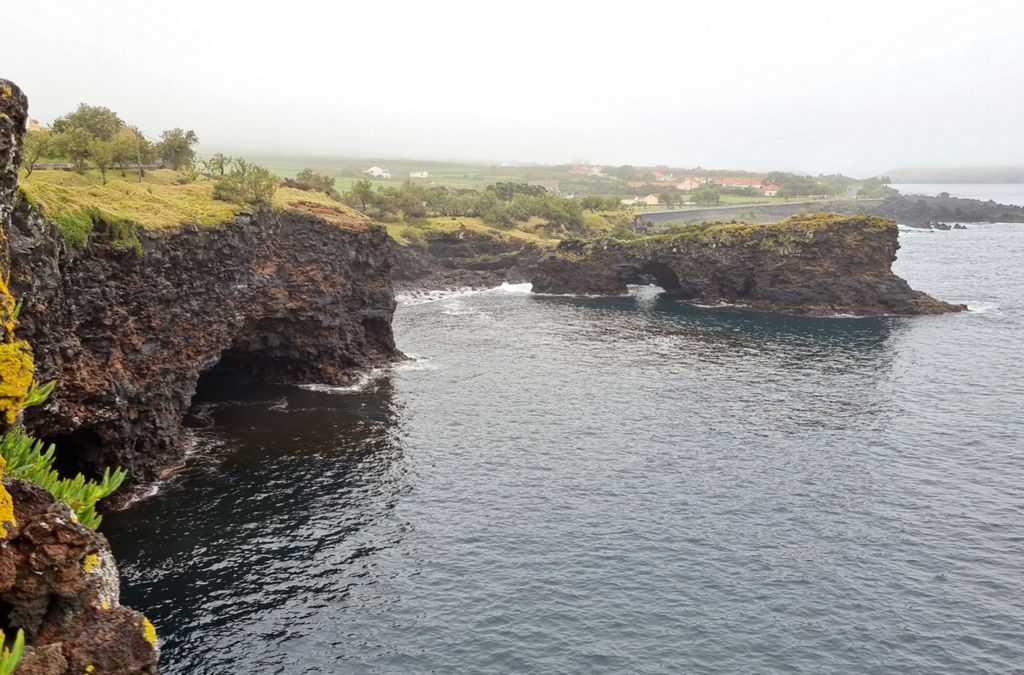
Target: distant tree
101,153
218,164
362,192
316,181
97,121
246,183
124,149
175,147
707,195
37,145
669,198
73,145
505,191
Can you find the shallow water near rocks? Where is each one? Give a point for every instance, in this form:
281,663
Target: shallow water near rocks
616,485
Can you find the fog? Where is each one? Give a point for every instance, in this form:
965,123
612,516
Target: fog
858,88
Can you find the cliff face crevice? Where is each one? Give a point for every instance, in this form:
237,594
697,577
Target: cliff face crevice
818,264
288,297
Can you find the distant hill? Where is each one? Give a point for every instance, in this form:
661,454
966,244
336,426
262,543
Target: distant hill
963,174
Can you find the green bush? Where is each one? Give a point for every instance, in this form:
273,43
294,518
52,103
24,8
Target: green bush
28,459
246,183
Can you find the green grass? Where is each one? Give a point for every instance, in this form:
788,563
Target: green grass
161,201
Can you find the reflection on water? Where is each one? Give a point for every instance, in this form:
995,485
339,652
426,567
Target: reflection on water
615,485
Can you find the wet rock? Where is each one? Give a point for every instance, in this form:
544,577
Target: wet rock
819,264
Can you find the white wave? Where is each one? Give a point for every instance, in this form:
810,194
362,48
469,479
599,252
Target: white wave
365,380
424,297
984,308
414,363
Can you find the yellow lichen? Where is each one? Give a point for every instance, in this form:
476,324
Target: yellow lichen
90,668
16,370
149,631
6,504
89,562
104,604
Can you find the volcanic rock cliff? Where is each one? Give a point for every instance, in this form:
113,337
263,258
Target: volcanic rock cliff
820,264
127,331
58,580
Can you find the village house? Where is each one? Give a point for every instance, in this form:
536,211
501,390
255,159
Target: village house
738,183
378,172
664,177
419,174
630,201
770,190
587,170
690,183
34,125
651,200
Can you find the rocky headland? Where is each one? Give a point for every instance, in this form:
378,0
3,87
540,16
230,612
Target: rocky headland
818,264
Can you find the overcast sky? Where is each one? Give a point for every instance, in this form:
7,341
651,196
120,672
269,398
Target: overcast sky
857,87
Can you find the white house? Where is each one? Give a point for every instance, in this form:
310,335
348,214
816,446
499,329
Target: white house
378,172
419,174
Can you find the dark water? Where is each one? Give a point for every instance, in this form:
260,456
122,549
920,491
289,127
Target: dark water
618,485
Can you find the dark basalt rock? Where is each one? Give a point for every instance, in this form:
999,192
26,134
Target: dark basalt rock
283,296
819,264
59,583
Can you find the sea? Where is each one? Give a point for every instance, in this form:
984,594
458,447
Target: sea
615,485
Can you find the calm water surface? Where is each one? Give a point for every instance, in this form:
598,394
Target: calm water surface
617,485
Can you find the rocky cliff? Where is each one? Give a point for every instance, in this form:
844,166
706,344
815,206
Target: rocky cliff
128,330
58,581
820,264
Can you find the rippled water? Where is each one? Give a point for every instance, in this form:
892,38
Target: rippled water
617,485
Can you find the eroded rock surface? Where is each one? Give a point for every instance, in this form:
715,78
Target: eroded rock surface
284,296
820,264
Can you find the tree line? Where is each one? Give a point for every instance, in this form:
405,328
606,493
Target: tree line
97,136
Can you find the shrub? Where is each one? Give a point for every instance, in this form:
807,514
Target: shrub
246,183
26,458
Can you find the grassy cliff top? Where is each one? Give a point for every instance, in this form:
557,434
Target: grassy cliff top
802,225
162,200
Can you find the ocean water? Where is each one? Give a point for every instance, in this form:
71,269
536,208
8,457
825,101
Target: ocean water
632,485
1001,193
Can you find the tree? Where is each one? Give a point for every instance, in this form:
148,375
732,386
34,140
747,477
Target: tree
217,165
97,121
73,144
101,153
316,181
37,145
505,191
175,148
668,198
124,150
362,191
707,195
246,183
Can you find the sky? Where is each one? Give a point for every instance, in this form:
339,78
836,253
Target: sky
820,87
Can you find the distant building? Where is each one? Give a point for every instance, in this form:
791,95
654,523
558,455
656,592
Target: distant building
659,176
549,185
587,170
34,125
690,183
650,200
378,172
770,190
738,183
630,201
419,174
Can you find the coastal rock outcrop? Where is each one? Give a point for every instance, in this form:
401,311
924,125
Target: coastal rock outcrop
128,330
58,581
818,264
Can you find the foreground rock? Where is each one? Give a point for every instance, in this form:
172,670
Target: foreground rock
59,583
820,264
283,296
